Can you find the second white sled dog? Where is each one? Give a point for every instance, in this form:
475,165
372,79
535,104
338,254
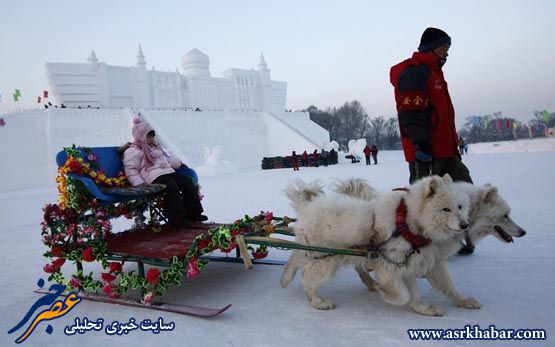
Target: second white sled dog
489,214
339,221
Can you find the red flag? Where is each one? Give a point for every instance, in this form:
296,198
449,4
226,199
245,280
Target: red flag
45,94
38,100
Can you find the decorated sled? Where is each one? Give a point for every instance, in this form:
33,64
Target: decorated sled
94,191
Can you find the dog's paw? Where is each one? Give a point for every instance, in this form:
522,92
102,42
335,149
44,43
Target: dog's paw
469,303
428,310
323,304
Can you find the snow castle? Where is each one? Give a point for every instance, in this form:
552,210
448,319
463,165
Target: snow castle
215,125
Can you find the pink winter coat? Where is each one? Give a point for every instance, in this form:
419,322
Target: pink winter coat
137,170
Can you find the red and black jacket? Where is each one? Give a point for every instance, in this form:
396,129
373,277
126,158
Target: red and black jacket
425,111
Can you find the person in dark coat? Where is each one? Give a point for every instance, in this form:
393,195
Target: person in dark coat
461,146
333,156
315,157
374,150
367,153
426,114
325,157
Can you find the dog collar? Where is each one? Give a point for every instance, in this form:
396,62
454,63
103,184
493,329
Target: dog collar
402,229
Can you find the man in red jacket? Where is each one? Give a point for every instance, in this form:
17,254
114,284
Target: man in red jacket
426,114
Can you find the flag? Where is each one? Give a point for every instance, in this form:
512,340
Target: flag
15,97
2,122
45,94
38,100
507,124
18,93
545,115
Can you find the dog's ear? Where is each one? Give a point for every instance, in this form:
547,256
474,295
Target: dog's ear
491,194
432,187
447,179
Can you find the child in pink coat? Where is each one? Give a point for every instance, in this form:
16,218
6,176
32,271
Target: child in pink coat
145,162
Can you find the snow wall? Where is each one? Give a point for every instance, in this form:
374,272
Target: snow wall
213,142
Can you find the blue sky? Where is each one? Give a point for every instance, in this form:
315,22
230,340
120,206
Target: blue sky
502,57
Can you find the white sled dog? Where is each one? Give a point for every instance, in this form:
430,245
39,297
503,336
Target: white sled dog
433,213
489,214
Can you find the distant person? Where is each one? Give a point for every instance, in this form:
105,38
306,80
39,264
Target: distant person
62,106
325,157
367,153
46,106
305,159
426,114
333,156
295,161
461,145
315,157
144,161
466,148
374,150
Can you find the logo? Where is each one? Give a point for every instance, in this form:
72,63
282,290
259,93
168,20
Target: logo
56,309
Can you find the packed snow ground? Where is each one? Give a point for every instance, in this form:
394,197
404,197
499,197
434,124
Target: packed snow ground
514,282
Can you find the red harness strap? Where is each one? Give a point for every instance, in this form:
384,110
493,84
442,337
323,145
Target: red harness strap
402,229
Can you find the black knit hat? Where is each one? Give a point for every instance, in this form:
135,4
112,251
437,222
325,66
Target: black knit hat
433,38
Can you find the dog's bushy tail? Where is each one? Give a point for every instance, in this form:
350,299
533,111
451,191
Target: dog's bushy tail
300,192
290,269
355,187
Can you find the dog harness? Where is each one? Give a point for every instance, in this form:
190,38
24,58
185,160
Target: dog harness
402,229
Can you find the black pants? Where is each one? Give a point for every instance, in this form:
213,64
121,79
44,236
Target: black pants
367,160
375,156
452,166
181,200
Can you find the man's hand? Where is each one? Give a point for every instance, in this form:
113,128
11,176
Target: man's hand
423,164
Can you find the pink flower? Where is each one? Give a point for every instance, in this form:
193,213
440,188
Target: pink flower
268,217
153,275
91,156
147,299
192,268
74,282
